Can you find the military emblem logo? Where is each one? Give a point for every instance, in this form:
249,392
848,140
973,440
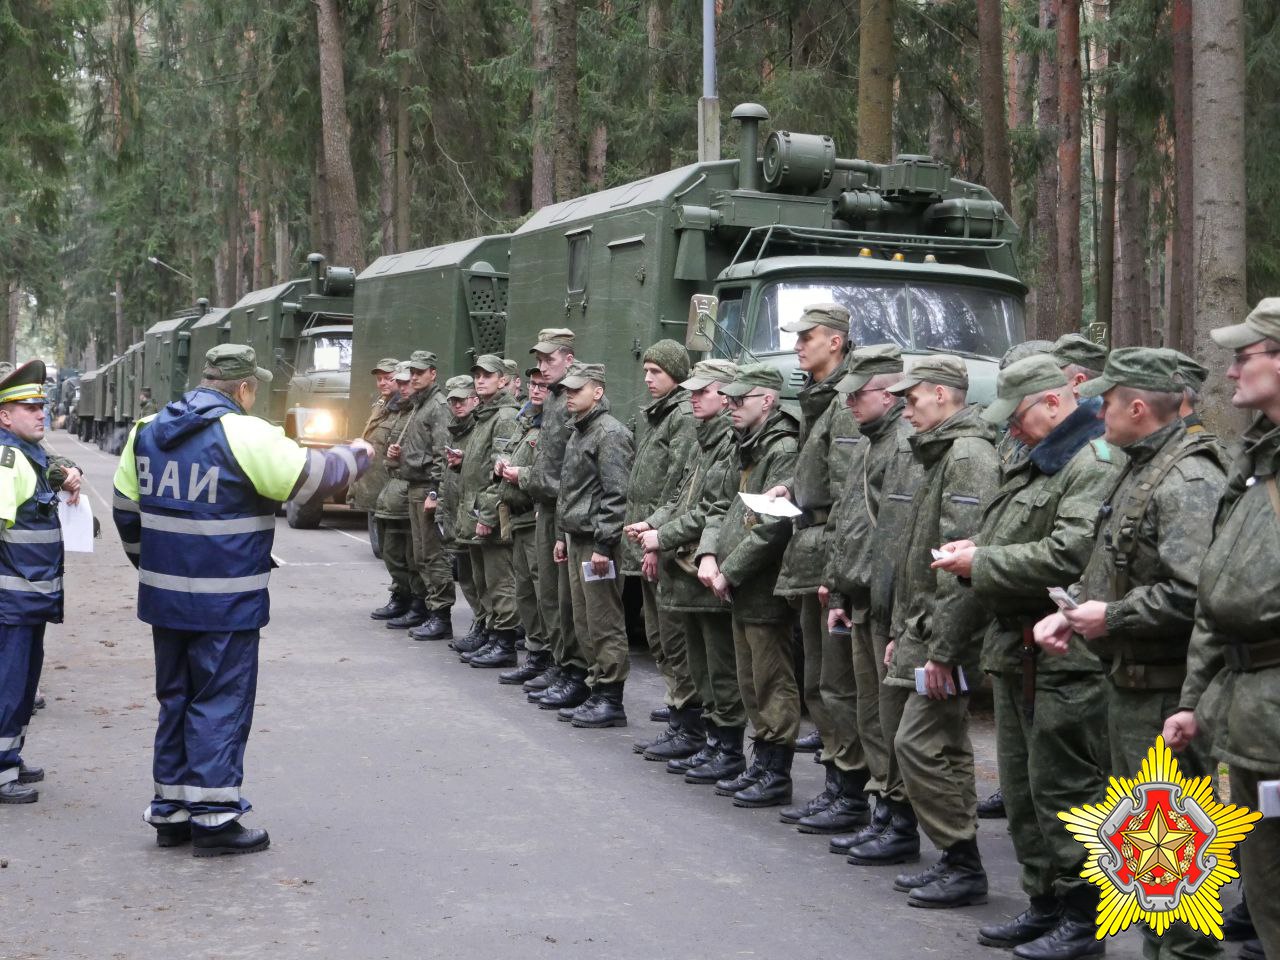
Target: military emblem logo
1159,847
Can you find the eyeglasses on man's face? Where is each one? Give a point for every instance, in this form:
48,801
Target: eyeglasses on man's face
738,402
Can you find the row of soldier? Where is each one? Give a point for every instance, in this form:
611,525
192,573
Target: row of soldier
919,559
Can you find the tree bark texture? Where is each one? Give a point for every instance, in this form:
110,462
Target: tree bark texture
348,245
386,141
656,32
597,157
9,334
995,130
1070,107
564,80
1046,224
1183,287
543,167
1107,211
404,42
877,61
1131,307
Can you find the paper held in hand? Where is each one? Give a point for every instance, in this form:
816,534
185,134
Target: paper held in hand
1062,599
957,676
77,524
589,574
759,503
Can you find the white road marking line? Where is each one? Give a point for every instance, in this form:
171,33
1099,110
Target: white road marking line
358,539
280,562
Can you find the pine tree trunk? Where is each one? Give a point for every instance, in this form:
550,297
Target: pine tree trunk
1183,289
403,199
656,32
348,246
122,335
564,80
942,127
1046,225
1107,212
386,148
9,335
1132,290
283,249
877,66
543,168
1070,106
1022,118
597,157
995,130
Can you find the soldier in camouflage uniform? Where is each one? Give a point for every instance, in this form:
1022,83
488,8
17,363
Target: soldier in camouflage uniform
1138,594
1232,693
461,401
391,509
662,455
936,629
743,570
1050,716
482,521
1194,376
589,515
677,535
524,539
1079,358
827,435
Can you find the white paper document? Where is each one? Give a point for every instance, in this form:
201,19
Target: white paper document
589,574
951,687
759,503
77,524
1062,598
1269,798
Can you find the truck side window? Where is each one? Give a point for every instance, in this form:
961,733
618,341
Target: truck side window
579,251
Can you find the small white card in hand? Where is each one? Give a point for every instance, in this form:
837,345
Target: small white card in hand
779,507
951,687
937,554
1269,798
589,574
77,524
1062,599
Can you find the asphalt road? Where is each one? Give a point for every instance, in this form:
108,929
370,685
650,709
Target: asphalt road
416,807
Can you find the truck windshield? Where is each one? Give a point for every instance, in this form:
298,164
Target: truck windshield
917,314
325,354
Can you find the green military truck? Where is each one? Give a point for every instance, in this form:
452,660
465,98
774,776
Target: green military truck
168,354
209,329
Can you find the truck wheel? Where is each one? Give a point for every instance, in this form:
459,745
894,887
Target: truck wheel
374,540
303,517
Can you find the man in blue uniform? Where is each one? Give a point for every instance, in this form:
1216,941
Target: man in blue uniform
30,569
195,499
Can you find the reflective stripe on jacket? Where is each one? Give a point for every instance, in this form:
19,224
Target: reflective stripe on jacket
30,537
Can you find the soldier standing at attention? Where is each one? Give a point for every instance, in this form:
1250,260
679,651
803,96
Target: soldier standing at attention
827,435
742,571
662,456
391,508
195,499
461,401
1038,533
524,542
1232,691
146,405
1138,593
936,630
483,517
363,495
31,564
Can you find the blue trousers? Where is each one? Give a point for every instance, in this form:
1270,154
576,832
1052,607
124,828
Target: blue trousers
21,658
206,683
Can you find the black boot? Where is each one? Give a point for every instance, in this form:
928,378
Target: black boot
231,839
710,747
437,626
848,810
830,790
731,785
15,792
879,823
415,615
473,641
774,786
565,714
728,760
572,690
173,834
1032,923
811,742
490,641
534,665
1075,935
542,681
1237,924
992,808
906,882
660,714
690,737
394,607
899,842
501,654
30,774
644,743
607,710
961,883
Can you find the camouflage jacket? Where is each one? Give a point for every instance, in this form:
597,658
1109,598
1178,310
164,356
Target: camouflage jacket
422,460
902,479
363,494
1235,697
827,438
936,616
542,479
518,501
710,482
393,499
492,436
1145,566
450,490
856,515
662,456
593,488
749,547
1038,533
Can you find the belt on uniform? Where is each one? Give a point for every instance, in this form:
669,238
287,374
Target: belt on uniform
1148,676
811,518
1248,657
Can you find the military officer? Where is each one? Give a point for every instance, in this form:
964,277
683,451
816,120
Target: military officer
1232,689
31,564
1050,716
195,498
461,400
1137,596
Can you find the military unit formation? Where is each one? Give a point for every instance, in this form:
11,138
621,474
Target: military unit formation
867,464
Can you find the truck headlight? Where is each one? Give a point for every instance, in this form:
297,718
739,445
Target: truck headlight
319,423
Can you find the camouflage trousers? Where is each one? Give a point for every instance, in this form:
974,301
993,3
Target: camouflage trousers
496,584
1053,762
461,560
524,565
830,687
430,557
713,666
767,680
664,631
1259,858
598,615
869,671
935,755
554,597
397,555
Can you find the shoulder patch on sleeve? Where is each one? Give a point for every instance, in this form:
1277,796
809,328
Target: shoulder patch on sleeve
1101,450
8,457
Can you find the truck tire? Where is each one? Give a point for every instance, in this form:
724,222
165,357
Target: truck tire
303,517
374,542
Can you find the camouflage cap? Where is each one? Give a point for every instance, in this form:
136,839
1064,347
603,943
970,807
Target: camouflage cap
552,339
1195,374
580,374
234,361
511,368
1073,348
820,315
402,373
386,365
750,376
1026,377
490,363
1144,368
707,372
422,360
459,388
1025,349
866,363
1262,323
940,368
